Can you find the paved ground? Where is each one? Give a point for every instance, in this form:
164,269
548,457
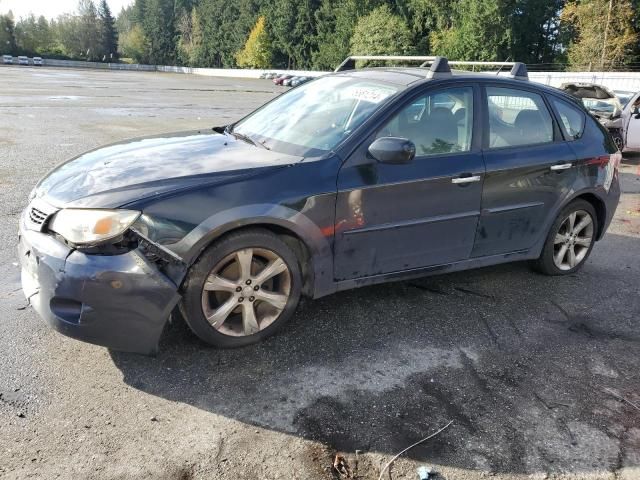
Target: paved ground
526,366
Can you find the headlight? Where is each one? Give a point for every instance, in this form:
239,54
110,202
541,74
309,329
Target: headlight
85,226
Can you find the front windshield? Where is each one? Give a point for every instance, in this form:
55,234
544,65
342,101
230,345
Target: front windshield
315,117
624,97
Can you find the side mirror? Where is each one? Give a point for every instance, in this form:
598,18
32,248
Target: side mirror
393,150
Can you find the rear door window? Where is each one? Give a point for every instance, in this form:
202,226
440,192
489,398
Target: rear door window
517,118
572,119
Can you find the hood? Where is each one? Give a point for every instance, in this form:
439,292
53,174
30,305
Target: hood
117,174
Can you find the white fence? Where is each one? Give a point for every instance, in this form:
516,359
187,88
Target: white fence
212,72
629,81
614,80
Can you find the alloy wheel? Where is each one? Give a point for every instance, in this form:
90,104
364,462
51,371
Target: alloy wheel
246,291
573,240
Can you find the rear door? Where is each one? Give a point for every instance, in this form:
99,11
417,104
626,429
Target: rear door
529,169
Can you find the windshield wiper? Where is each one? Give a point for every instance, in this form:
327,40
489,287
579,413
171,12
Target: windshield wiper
245,138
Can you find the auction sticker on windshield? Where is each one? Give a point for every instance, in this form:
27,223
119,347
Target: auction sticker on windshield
370,94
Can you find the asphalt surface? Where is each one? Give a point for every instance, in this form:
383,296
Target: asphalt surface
532,370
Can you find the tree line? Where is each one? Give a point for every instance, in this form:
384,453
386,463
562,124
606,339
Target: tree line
89,34
319,34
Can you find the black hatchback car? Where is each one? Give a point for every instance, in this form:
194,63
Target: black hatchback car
355,178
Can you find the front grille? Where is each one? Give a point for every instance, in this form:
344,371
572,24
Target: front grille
38,217
37,214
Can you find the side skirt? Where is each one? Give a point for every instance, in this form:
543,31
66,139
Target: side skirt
519,255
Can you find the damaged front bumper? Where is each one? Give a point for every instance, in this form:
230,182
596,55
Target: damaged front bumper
118,301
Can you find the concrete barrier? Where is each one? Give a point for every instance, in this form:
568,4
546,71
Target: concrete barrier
614,80
211,72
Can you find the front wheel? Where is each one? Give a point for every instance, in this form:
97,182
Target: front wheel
242,289
570,240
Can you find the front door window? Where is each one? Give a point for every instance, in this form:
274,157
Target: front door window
437,123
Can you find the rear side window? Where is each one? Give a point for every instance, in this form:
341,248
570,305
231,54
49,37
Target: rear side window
517,117
572,119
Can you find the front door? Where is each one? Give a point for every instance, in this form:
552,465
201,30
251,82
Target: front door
392,218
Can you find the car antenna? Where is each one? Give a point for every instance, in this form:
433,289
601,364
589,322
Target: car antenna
500,69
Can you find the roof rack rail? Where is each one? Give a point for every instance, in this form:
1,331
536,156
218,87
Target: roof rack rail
439,66
349,63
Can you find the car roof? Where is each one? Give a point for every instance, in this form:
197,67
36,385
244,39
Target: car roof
407,76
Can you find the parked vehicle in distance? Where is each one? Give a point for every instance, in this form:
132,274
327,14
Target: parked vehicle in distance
357,178
22,60
278,80
298,81
37,61
7,59
630,120
602,103
287,81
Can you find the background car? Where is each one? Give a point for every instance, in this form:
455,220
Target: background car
602,103
287,81
630,127
37,61
298,81
22,60
7,59
278,80
624,96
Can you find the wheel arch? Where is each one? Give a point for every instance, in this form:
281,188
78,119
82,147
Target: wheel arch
313,249
599,206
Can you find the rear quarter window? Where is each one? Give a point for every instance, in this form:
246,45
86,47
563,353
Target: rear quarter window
571,118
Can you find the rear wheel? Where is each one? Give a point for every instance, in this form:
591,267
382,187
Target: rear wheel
242,289
570,240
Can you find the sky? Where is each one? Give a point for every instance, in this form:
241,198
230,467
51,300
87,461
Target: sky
51,8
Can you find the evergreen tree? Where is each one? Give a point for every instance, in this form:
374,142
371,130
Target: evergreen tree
108,32
481,31
7,35
335,22
382,32
88,31
292,27
536,30
159,30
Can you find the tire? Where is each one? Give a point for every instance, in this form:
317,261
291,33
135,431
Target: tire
272,301
560,235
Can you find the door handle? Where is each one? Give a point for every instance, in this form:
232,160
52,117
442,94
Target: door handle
562,166
462,180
